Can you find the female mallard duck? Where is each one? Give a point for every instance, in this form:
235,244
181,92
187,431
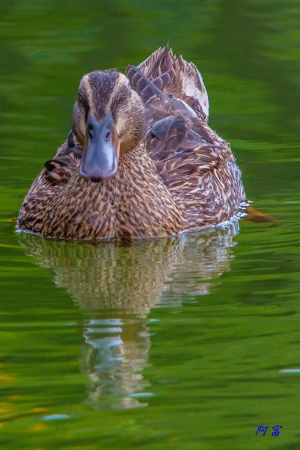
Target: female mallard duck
140,159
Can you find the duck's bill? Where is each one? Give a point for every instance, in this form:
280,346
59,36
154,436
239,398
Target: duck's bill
101,153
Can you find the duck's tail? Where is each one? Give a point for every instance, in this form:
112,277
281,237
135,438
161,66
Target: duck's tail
185,81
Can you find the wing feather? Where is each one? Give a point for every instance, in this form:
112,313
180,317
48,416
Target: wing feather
195,164
60,169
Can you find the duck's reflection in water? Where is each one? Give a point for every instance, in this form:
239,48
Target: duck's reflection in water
117,284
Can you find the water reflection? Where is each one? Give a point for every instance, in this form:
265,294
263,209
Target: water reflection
117,285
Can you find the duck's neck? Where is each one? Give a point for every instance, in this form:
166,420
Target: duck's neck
134,203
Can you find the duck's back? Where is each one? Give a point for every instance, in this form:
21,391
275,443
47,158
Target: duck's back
195,164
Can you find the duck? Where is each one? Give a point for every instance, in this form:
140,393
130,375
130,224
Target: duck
140,160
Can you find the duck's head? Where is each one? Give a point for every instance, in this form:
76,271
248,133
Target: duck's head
108,120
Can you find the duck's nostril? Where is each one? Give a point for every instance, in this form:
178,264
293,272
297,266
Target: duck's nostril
91,136
107,136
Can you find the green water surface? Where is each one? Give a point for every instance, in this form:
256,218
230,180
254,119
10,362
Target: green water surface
167,344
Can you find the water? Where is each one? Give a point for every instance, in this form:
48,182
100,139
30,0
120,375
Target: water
188,343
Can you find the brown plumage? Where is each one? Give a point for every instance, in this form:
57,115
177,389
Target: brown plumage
140,159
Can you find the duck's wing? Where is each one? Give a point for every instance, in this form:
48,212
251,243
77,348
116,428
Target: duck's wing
195,164
178,140
59,170
52,179
185,81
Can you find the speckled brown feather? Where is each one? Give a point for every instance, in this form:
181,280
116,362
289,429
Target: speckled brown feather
123,206
182,175
196,165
